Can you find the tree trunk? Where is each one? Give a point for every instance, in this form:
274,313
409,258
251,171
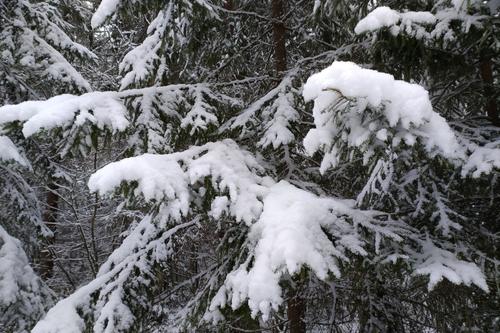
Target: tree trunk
295,304
279,32
486,70
295,313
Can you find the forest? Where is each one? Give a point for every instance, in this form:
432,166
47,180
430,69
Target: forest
249,166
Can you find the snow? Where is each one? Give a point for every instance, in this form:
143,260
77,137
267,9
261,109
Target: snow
273,113
349,102
9,152
277,132
158,178
378,18
168,177
422,25
288,235
106,9
140,250
40,47
482,161
439,263
384,17
201,114
291,233
21,290
141,61
100,108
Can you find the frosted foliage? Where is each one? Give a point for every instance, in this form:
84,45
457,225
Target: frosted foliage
169,30
482,161
202,113
100,109
141,61
23,296
277,130
273,113
9,152
367,109
146,245
108,8
39,47
439,263
290,228
168,179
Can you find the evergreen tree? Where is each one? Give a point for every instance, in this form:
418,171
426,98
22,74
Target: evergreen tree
302,193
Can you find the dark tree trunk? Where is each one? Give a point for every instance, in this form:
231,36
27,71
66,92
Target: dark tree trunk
295,313
486,69
279,33
295,305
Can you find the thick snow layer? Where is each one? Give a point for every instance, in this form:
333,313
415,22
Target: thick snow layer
290,228
379,18
349,102
295,231
100,108
9,152
168,177
383,17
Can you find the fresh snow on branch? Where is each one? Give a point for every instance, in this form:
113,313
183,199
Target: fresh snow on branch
234,172
40,47
102,109
364,108
422,25
295,230
382,17
108,8
361,108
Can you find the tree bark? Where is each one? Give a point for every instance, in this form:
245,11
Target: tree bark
295,304
486,70
295,313
279,36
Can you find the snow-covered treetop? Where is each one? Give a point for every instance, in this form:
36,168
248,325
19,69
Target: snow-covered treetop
274,112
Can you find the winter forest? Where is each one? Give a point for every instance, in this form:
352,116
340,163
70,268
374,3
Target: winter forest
249,166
